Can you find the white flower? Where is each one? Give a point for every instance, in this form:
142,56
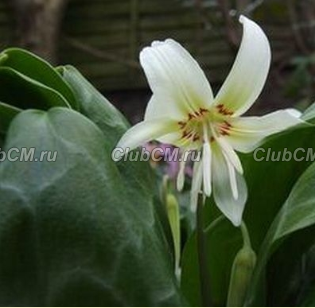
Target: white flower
183,112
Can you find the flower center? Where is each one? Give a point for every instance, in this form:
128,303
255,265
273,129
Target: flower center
194,126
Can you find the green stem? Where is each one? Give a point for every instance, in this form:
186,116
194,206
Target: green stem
202,255
245,235
214,223
242,270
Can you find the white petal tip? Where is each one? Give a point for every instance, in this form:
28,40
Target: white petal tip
169,40
235,194
236,222
207,192
295,113
240,170
242,18
159,43
156,43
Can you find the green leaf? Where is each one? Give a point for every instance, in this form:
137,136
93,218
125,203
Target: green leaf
289,275
95,106
137,174
72,234
270,182
297,213
23,92
37,69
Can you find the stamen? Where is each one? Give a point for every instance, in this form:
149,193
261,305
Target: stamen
181,174
196,184
206,161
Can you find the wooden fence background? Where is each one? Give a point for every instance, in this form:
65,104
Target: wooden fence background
102,38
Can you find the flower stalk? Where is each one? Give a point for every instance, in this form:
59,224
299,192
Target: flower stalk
173,214
242,270
203,259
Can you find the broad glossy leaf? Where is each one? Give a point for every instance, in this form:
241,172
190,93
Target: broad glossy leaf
71,234
95,106
290,271
137,175
23,92
37,69
297,213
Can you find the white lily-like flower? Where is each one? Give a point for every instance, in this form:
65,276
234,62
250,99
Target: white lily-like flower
183,112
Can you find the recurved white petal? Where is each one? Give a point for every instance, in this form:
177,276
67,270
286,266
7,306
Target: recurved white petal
145,131
230,194
181,176
247,133
178,83
249,72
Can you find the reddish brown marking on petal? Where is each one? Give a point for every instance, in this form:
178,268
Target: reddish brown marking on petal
223,110
227,124
225,128
182,124
224,133
202,110
196,137
190,116
186,134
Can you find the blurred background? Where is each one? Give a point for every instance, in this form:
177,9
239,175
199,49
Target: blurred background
103,38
